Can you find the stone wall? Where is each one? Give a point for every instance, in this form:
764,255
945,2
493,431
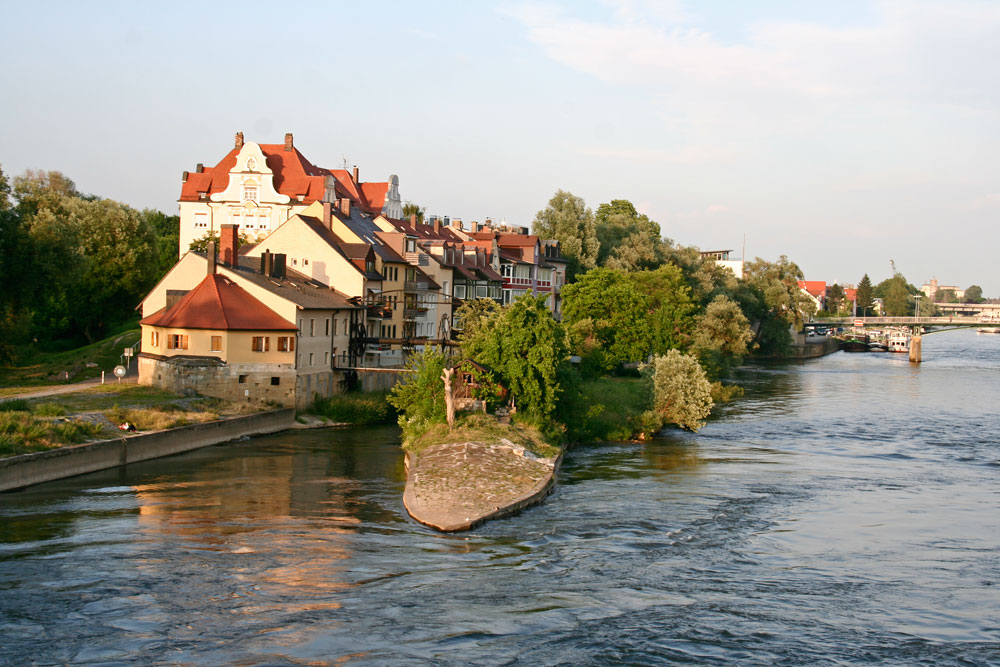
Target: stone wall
255,383
20,471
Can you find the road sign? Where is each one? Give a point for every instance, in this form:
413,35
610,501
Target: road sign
128,352
120,371
859,323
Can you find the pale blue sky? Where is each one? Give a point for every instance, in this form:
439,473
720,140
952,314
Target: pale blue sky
843,134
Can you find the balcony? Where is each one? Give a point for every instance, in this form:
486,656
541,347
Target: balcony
379,312
414,285
414,312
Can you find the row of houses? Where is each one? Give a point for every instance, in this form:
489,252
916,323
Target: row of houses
317,277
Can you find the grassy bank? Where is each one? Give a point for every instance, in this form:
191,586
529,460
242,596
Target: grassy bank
613,409
46,367
481,428
360,408
31,425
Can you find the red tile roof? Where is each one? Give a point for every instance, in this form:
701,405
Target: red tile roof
815,287
294,176
219,303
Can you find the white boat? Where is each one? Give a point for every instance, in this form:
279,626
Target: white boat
899,340
992,318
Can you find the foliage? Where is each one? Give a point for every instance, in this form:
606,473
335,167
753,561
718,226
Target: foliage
895,296
420,397
946,296
974,294
486,389
166,230
628,240
472,316
356,408
834,298
201,244
15,405
21,433
158,417
49,410
865,297
481,428
525,348
409,208
682,394
617,311
51,364
773,297
567,219
721,336
613,409
703,275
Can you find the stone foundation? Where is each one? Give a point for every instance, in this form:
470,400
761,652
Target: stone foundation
254,383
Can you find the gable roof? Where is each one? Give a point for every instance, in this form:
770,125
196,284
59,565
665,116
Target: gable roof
816,288
294,175
220,304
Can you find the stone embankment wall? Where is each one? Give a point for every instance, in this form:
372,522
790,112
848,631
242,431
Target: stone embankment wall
20,471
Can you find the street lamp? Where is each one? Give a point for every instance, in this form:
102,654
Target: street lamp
916,306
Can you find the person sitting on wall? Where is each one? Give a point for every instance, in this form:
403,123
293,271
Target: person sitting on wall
127,426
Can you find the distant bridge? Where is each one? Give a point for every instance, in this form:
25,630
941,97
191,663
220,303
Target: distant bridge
936,321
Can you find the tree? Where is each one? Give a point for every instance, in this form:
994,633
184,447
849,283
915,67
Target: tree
472,316
776,301
568,220
201,244
895,296
670,309
834,298
682,394
409,209
527,350
705,277
166,229
722,335
865,297
628,240
974,294
617,310
946,296
420,396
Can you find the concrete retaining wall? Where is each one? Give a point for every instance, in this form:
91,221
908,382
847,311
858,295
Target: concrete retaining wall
20,471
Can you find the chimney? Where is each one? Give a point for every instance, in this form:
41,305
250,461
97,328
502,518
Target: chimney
356,174
278,269
327,214
413,219
437,225
211,257
184,177
239,140
265,257
199,168
288,141
345,207
229,244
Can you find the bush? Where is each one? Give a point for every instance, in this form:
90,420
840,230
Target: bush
49,410
356,408
420,398
682,394
15,405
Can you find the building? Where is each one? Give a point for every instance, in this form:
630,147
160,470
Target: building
932,289
299,331
815,290
722,258
260,186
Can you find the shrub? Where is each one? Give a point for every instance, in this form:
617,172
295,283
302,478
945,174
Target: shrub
15,405
420,398
356,408
49,410
682,394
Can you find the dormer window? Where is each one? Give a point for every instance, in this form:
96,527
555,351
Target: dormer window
250,193
411,245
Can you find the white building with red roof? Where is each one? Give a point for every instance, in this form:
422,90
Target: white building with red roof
260,186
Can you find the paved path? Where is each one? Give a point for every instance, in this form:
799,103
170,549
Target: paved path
55,390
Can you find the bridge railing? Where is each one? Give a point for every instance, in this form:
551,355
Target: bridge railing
933,321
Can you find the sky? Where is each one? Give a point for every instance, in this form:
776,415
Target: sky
841,134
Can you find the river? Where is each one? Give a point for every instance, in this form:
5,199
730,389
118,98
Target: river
846,511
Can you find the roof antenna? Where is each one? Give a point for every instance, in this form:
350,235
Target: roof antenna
344,158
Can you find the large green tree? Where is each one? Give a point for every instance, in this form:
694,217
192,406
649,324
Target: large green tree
628,240
865,297
834,298
974,294
618,311
568,220
776,301
526,349
895,295
721,337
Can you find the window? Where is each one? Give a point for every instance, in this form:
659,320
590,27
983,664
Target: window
305,262
459,290
312,327
310,358
411,245
275,381
295,262
243,379
326,358
154,338
249,193
177,342
201,220
216,343
328,326
286,343
261,343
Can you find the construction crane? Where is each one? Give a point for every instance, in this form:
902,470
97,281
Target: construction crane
893,264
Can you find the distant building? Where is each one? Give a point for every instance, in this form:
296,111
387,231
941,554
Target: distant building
932,289
260,186
815,290
722,258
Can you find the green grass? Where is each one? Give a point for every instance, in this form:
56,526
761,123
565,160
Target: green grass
481,428
21,433
355,408
46,367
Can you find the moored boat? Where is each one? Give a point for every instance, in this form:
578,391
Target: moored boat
855,340
899,340
989,319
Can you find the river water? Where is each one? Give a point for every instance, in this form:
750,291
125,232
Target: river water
846,511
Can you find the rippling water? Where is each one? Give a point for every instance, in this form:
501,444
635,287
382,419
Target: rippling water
846,511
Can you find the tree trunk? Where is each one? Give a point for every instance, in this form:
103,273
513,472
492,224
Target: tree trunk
449,400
